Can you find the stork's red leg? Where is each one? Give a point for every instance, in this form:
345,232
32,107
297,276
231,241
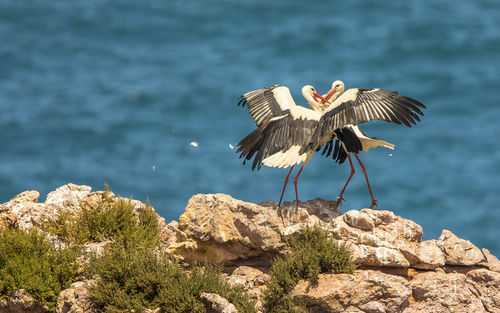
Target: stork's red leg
284,186
295,183
374,202
339,198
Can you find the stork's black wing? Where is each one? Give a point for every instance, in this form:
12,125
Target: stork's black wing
267,103
356,106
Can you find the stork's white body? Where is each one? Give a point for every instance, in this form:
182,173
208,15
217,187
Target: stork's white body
288,134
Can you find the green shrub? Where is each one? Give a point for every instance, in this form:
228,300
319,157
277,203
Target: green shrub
312,253
28,261
109,220
139,279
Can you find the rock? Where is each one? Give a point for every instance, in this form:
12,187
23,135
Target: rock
458,251
358,219
492,261
368,290
378,237
486,286
68,196
21,301
252,280
429,255
24,212
76,299
398,272
441,292
218,228
217,304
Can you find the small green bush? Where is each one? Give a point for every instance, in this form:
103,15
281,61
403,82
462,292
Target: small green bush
109,220
138,279
28,261
312,253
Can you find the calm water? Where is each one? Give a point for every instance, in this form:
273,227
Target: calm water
94,91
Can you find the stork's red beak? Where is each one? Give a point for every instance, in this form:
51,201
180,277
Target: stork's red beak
317,95
330,94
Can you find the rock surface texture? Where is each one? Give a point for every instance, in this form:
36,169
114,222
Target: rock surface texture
397,271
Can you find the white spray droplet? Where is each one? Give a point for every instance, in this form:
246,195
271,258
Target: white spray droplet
231,146
390,154
154,167
194,144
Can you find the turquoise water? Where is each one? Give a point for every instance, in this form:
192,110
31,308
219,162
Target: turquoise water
95,91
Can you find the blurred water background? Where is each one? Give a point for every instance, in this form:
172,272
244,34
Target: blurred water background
120,91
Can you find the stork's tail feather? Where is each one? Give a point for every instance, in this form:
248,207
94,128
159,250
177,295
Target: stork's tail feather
385,144
334,147
251,144
373,142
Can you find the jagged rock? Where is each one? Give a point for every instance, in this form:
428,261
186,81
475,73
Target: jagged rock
21,301
68,196
367,290
252,280
378,237
216,227
458,251
215,303
486,286
441,292
429,255
492,261
24,212
398,271
76,299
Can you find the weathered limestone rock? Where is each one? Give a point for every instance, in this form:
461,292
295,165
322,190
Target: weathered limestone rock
429,255
216,227
485,285
215,303
378,237
252,280
398,271
441,292
458,251
492,261
364,291
21,301
76,299
68,196
24,212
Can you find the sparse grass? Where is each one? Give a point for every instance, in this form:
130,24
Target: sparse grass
28,261
312,253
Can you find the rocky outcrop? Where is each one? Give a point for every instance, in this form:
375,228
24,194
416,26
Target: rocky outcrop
397,271
220,228
76,299
217,304
21,301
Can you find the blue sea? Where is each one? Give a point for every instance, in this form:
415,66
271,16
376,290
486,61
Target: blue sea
143,94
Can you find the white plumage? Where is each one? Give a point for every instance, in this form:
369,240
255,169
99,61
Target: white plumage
288,134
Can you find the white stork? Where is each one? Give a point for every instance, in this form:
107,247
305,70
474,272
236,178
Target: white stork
288,134
366,142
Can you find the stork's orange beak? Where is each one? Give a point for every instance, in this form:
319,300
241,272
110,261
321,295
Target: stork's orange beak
317,95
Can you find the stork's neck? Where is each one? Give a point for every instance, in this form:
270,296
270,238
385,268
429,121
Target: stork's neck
311,101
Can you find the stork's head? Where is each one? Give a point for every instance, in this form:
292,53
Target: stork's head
313,97
337,89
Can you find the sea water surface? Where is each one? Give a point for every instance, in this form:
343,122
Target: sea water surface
143,94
